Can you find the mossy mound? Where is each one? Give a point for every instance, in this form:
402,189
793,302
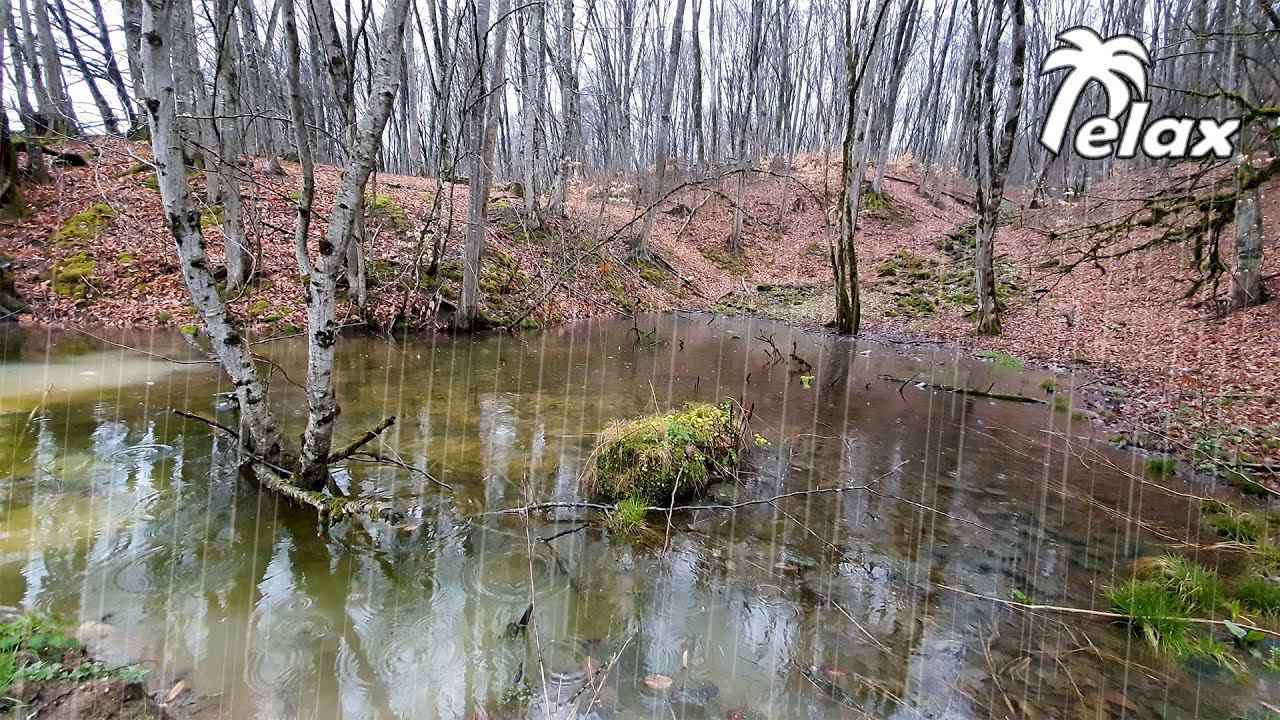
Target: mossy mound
658,457
84,225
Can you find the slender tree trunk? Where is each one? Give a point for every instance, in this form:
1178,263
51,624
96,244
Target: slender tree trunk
302,138
112,66
640,241
62,120
238,255
844,257
322,330
1246,279
992,160
11,201
567,72
260,434
109,122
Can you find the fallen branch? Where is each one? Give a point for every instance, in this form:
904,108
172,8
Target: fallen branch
988,393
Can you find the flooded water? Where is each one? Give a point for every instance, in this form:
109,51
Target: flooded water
879,603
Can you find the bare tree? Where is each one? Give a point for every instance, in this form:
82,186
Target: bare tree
859,47
991,154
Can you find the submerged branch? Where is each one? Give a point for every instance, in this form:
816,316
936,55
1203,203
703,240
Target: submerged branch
278,480
365,439
988,393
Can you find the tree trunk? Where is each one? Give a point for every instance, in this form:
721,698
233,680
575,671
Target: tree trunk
260,434
238,255
1246,279
62,117
112,66
992,159
109,122
640,241
322,330
484,103
567,72
302,138
844,257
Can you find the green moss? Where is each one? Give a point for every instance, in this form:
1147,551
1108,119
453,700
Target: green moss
188,329
212,216
71,275
658,457
126,258
383,206
164,317
258,307
152,182
653,275
730,262
84,225
1161,466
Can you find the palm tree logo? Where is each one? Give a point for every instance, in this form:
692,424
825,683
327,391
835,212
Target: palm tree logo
1118,63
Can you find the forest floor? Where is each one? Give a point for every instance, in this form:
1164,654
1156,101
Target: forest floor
1160,367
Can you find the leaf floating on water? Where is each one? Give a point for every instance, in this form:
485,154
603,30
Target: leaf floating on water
657,682
806,382
735,714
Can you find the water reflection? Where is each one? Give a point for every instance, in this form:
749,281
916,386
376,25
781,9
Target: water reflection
119,514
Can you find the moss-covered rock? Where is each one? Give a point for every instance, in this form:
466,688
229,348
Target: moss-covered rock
658,457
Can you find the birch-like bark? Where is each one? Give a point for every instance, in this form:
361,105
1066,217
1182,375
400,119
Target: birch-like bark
62,117
112,67
109,122
322,330
1246,278
259,432
302,138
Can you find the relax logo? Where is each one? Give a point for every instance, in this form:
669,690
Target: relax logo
1120,65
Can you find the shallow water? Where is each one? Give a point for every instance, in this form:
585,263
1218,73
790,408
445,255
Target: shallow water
829,605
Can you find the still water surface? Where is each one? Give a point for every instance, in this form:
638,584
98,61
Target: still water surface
119,514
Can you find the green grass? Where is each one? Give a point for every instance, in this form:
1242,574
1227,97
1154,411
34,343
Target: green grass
1243,525
1001,359
627,517
1048,384
1161,466
1260,595
1151,611
1194,587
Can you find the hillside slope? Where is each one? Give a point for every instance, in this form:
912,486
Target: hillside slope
94,251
